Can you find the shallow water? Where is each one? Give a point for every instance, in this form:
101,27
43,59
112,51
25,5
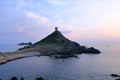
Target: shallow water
87,67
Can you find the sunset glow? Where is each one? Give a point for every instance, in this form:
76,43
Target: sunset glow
31,20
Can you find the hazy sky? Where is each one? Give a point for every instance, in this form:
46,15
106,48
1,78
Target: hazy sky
79,20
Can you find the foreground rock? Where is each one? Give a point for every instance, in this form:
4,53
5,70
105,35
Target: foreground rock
116,75
117,79
14,78
40,78
22,78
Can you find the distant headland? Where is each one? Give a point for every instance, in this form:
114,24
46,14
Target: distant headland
29,43
53,44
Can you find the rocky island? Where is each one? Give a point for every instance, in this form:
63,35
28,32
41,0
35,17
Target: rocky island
56,43
53,44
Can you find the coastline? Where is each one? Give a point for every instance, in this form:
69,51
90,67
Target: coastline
10,56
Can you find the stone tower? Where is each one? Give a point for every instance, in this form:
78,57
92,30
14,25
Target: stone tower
56,28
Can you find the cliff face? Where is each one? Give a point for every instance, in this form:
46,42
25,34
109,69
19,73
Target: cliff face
56,43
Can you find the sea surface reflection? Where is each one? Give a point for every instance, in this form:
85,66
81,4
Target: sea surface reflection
87,67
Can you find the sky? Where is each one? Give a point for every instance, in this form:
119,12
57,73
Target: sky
78,20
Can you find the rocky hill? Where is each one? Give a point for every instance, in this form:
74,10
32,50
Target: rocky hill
56,43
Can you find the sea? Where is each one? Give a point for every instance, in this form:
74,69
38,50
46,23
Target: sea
86,67
9,47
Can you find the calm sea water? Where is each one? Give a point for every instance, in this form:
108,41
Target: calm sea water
9,47
87,67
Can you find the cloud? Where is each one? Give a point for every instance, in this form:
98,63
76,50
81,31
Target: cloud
21,29
31,15
66,32
63,2
80,19
20,4
38,18
57,2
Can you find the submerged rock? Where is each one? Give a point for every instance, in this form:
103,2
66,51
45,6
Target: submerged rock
14,78
40,78
66,56
22,78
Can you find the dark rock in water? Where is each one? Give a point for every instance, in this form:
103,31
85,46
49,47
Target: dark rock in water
40,78
56,43
91,50
22,79
115,75
14,78
30,43
117,79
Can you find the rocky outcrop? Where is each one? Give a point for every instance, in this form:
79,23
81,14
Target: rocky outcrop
29,43
56,43
26,47
14,78
115,75
90,50
40,78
